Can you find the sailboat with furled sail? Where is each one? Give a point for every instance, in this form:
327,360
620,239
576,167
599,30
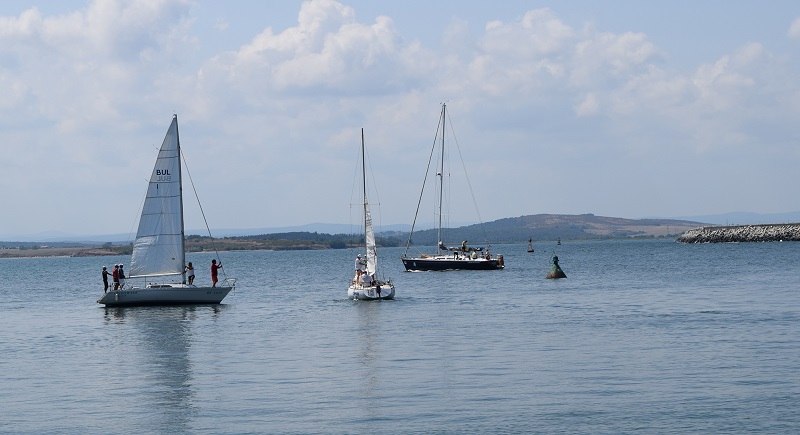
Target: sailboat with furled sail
159,251
462,257
365,285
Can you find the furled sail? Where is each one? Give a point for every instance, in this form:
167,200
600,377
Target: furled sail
369,236
158,249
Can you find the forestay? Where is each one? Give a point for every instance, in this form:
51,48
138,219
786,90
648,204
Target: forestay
158,249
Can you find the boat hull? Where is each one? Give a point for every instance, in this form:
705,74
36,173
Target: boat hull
167,295
370,293
450,263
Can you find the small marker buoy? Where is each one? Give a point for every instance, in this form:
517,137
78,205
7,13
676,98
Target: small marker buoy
555,270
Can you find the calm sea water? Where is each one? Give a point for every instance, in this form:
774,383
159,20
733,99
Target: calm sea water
643,336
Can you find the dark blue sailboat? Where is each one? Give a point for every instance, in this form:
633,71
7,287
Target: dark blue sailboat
448,258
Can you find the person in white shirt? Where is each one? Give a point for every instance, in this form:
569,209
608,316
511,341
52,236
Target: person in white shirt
359,265
366,278
190,273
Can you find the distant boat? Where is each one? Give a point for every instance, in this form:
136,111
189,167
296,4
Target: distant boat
366,286
159,251
530,245
559,241
448,258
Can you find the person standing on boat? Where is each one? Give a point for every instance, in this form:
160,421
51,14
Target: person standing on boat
189,269
105,280
366,279
115,275
121,277
359,265
214,268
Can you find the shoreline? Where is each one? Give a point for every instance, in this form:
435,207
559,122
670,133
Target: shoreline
56,252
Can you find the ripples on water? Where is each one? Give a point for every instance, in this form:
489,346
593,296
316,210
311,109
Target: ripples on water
642,336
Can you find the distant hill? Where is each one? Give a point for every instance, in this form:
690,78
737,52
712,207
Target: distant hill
508,230
745,218
557,226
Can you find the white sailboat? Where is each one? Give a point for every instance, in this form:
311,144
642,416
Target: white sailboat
366,286
448,258
159,251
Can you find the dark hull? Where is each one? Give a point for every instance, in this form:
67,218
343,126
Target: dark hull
426,264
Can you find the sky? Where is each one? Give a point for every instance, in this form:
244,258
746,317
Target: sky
618,108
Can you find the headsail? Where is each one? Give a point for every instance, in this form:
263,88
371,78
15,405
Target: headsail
369,236
158,249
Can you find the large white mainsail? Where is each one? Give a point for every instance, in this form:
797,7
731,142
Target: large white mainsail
158,249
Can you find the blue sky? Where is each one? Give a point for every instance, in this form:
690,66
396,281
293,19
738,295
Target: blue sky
617,108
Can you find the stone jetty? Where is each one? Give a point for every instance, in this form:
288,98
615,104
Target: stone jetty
743,233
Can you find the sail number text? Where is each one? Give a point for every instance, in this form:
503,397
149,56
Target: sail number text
163,175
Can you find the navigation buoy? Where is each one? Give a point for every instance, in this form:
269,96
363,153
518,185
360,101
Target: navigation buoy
555,271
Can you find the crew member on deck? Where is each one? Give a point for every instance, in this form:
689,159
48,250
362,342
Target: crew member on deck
105,280
115,275
121,277
189,269
214,272
359,265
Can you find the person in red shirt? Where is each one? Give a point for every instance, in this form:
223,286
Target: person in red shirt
214,268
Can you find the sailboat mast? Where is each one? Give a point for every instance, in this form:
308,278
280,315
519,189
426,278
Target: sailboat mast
441,183
364,180
180,195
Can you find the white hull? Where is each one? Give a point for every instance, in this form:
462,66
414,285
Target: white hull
168,294
370,292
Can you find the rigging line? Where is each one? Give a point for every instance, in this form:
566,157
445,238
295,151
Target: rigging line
466,174
425,180
141,207
378,203
213,242
374,189
356,167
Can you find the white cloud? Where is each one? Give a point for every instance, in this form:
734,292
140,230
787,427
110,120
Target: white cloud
606,56
328,51
519,56
794,28
588,106
91,89
721,83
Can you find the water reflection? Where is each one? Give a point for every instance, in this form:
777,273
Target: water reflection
158,341
368,356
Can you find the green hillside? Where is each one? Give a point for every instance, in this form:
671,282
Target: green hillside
555,226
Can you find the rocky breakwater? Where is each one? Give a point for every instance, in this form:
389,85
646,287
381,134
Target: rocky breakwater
743,233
